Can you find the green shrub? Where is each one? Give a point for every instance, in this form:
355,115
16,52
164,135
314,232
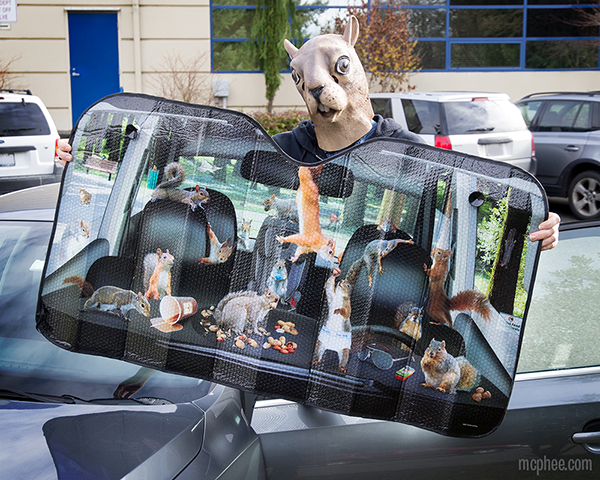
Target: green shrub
278,122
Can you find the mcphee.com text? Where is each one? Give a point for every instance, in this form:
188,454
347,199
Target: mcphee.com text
545,464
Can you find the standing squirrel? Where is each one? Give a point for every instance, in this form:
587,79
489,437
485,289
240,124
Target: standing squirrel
159,283
310,238
219,252
277,281
244,234
411,325
373,253
114,298
167,190
238,308
446,373
440,305
285,209
336,333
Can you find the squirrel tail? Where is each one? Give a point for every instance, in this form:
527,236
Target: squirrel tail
469,376
85,287
471,300
221,305
174,174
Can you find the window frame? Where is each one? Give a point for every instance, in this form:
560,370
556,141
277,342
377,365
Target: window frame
447,38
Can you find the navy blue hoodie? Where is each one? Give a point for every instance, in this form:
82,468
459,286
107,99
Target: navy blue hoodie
301,142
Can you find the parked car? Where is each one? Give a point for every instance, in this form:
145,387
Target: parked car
60,419
566,129
478,123
27,142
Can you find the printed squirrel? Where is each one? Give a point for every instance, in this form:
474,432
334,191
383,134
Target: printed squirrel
85,197
446,373
109,298
159,283
373,253
219,252
411,326
336,333
284,209
75,239
238,308
439,305
244,234
277,281
167,190
310,238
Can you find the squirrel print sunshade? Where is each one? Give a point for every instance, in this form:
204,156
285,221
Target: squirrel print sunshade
390,281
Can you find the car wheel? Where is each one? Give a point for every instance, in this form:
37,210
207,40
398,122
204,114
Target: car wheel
584,195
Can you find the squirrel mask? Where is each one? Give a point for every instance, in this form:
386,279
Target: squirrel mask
331,79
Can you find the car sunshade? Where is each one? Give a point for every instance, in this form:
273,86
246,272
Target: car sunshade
391,281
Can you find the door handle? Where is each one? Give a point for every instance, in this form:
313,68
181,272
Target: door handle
586,437
74,73
572,148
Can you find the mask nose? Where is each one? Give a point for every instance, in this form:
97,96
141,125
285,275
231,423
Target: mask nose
316,92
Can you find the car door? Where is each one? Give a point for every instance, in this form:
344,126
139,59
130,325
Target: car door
555,399
561,131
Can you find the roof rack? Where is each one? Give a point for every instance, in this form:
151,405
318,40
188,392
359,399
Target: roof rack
22,91
588,94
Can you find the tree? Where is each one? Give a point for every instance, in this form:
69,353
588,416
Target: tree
270,28
385,47
181,79
7,77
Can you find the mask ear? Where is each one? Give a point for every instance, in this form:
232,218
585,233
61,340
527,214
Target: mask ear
290,48
351,31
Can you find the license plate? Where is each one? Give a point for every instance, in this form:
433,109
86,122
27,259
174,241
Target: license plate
7,159
494,149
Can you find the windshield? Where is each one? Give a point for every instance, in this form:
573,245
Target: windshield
22,119
482,116
29,363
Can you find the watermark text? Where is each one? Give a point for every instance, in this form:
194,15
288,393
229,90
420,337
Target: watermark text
546,464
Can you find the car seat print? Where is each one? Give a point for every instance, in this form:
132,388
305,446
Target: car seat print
389,281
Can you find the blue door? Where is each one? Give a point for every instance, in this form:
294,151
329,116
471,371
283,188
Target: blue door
94,56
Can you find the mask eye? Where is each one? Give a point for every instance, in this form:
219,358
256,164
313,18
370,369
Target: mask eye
296,77
342,66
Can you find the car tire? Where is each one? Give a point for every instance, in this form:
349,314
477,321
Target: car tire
584,195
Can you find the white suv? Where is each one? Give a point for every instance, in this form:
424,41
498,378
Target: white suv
27,142
483,124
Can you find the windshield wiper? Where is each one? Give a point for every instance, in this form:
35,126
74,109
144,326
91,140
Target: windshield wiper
14,394
12,130
482,129
20,395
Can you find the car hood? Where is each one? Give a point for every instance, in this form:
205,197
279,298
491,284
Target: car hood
48,441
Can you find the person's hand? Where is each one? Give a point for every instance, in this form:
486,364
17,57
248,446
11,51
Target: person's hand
548,232
62,152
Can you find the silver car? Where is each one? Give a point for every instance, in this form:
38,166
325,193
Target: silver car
67,415
566,129
483,124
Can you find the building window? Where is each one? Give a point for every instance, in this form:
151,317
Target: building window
452,34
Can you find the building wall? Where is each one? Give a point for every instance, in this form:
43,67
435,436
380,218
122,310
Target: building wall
40,41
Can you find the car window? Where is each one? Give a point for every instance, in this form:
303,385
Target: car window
22,119
583,119
422,117
529,110
562,327
382,106
482,116
565,116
